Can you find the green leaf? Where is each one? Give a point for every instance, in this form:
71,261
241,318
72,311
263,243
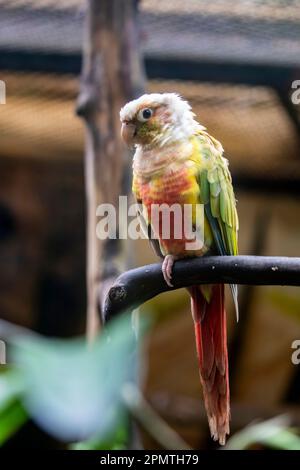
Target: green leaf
116,440
284,439
272,433
12,413
11,419
11,387
72,390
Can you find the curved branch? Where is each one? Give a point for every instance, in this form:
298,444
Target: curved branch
136,286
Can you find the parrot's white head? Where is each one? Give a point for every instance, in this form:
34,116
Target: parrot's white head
157,119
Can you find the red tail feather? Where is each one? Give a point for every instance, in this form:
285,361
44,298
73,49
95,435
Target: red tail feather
211,342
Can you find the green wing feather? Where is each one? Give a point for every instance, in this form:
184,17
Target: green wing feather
216,193
222,206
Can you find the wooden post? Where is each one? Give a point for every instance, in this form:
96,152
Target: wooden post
112,74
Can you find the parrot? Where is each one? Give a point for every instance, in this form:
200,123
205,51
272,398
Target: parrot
176,161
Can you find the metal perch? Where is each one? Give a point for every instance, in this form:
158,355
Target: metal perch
136,286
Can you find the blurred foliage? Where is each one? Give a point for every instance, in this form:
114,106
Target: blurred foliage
287,303
164,306
116,440
273,434
12,413
72,390
83,394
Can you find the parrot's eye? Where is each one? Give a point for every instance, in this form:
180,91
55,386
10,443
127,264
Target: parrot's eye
145,114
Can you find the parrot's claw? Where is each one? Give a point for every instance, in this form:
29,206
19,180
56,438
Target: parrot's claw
167,268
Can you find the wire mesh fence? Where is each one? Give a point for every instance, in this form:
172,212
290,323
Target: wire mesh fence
256,130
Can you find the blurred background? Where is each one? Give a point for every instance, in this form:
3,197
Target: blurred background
235,62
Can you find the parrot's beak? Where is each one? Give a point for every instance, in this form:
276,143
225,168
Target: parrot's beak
128,131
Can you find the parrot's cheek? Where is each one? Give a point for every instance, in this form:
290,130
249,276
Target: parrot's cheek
128,132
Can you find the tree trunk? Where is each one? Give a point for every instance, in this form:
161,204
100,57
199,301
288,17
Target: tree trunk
112,74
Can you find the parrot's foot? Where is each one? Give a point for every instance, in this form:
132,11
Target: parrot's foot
167,268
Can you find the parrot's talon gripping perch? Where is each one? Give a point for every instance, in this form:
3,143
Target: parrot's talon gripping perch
167,268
